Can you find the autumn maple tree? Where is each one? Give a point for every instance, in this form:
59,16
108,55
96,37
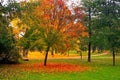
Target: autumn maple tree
58,24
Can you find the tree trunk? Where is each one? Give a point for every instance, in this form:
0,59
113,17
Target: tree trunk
81,54
113,54
89,44
46,55
52,52
25,55
89,52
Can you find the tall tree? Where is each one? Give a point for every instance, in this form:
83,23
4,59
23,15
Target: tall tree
28,23
8,50
109,17
105,15
58,24
88,5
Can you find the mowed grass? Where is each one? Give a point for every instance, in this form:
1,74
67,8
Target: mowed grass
101,69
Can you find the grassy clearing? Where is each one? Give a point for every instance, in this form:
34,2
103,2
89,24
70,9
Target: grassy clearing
102,69
38,55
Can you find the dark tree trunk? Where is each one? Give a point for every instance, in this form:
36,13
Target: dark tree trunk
46,55
89,52
89,44
93,49
25,55
113,54
52,52
81,54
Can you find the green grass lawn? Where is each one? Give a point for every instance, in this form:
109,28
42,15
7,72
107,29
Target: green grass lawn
101,69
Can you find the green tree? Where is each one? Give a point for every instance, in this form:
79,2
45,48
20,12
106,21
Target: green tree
89,6
8,50
29,23
109,19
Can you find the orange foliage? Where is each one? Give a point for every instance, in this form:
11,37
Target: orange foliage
55,15
77,29
79,13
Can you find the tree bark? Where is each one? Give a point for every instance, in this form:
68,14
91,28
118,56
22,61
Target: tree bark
46,55
81,54
113,54
89,44
89,52
52,52
25,55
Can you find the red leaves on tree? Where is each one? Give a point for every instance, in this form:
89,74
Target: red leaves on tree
60,2
57,16
76,29
79,13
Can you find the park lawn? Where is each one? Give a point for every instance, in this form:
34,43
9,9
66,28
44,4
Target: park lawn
101,69
39,55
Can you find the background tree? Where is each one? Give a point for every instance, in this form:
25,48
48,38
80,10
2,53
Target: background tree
89,6
8,50
108,19
28,23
